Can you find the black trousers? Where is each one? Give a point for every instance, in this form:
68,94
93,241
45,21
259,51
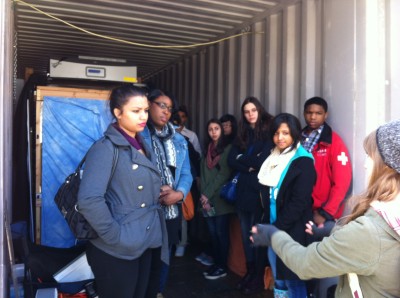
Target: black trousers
120,278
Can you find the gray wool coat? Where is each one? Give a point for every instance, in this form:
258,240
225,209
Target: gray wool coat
127,216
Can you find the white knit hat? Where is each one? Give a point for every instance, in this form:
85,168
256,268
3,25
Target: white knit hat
388,141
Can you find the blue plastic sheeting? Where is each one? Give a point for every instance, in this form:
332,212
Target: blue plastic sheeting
69,128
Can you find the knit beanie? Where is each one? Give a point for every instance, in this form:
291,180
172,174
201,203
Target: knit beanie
388,141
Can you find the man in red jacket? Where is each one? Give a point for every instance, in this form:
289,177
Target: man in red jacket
332,162
333,167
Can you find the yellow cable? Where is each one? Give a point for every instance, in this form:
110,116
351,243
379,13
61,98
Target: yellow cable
130,42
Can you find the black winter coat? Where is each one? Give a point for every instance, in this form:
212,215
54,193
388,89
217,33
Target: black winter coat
248,189
294,206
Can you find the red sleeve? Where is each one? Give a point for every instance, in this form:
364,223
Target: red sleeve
341,175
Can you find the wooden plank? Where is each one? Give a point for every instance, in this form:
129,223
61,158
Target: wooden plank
41,92
38,170
72,93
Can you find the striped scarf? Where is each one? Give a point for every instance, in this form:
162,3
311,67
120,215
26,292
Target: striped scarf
164,150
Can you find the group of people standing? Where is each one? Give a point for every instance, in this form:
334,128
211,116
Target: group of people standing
290,178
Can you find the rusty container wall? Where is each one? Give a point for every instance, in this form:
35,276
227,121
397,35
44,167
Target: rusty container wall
342,50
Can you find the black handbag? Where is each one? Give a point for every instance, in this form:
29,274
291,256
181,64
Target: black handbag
66,200
228,190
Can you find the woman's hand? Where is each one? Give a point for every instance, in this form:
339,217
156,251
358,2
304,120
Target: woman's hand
205,203
262,234
168,196
309,228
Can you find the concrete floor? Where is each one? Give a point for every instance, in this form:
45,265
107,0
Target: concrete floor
186,280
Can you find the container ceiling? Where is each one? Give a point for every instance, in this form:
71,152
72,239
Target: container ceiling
71,28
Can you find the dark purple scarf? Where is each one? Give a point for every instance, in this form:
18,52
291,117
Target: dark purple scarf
135,142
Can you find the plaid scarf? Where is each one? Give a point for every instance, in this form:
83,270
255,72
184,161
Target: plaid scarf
164,150
310,140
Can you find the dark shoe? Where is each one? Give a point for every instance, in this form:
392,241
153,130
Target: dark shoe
211,269
255,285
243,282
218,273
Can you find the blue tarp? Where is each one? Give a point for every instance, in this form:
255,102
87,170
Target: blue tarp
69,128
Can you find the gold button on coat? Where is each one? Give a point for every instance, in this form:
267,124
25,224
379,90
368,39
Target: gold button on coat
140,187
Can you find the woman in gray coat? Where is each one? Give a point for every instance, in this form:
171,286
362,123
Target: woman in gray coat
365,250
125,211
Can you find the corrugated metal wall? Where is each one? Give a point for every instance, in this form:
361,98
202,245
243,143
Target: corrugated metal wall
342,50
278,63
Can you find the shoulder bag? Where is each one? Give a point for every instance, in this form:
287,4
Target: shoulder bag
66,200
228,190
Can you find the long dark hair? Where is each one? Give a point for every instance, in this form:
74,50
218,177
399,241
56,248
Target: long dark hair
261,127
292,122
234,126
222,141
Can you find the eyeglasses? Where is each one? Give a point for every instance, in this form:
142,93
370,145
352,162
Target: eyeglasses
163,106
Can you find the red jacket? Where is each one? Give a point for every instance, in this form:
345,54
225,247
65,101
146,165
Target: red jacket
333,166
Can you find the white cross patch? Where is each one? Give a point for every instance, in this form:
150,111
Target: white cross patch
343,158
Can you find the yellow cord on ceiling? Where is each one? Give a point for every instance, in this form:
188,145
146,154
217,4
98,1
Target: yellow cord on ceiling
130,42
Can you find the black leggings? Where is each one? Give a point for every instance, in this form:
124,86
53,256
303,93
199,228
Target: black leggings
120,278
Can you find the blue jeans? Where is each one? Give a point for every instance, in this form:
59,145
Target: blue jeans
218,227
297,288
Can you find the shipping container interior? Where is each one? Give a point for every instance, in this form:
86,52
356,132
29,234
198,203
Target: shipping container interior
210,54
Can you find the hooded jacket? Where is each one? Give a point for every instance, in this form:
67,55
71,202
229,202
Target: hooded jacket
366,246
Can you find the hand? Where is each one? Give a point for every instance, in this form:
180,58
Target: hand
320,231
319,219
310,228
168,196
262,234
205,203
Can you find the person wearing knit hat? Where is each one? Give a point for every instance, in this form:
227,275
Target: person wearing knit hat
364,247
388,140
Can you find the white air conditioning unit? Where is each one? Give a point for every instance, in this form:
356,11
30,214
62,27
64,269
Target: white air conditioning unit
93,68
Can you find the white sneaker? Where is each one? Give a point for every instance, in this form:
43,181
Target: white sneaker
180,251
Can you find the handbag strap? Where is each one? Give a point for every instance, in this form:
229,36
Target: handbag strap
114,164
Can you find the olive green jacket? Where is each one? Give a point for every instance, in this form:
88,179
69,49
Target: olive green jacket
366,246
213,179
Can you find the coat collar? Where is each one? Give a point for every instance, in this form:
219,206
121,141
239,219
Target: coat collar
137,158
326,134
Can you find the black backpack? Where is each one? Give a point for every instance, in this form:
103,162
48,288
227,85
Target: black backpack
66,200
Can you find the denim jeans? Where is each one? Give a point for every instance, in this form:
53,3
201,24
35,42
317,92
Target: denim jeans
297,288
218,227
